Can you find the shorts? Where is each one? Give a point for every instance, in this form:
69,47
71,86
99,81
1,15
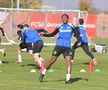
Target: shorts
22,45
36,47
29,46
66,51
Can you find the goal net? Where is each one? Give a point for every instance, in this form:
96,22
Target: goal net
47,19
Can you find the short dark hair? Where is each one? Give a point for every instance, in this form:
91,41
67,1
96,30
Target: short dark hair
65,15
81,21
20,26
26,25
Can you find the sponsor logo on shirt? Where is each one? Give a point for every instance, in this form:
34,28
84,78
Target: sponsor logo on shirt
65,30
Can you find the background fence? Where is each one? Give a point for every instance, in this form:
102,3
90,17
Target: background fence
97,25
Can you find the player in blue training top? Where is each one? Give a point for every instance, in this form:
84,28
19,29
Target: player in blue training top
34,44
81,30
63,46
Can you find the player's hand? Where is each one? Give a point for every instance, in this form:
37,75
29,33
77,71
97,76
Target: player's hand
41,34
79,44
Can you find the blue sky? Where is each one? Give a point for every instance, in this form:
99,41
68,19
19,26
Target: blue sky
73,4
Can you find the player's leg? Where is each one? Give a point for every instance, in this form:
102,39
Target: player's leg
68,57
20,47
3,51
86,49
51,62
29,48
37,47
55,54
74,47
19,60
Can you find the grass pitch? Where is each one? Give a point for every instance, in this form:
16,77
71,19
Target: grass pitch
19,77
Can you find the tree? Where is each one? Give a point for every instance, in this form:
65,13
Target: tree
36,4
31,4
5,3
87,5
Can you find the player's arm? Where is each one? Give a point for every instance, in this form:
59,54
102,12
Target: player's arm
42,30
2,31
51,34
76,33
19,34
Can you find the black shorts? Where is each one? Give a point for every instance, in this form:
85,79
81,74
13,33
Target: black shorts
36,47
22,45
66,51
29,46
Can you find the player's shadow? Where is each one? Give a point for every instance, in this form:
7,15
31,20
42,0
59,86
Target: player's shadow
72,79
31,65
75,79
28,65
5,62
86,63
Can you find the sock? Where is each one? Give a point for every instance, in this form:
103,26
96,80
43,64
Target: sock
19,58
44,71
68,77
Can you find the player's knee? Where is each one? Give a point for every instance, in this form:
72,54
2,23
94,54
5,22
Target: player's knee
37,54
68,59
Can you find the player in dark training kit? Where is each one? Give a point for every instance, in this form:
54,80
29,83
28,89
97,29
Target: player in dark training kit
21,46
63,46
81,30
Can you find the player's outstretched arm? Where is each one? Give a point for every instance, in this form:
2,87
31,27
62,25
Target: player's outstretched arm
42,30
51,34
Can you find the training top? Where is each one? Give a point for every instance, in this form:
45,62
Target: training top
31,36
83,35
64,31
21,35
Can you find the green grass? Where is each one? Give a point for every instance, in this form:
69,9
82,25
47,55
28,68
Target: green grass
19,77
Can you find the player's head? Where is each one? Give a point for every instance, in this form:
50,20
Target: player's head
26,26
20,26
81,21
64,18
